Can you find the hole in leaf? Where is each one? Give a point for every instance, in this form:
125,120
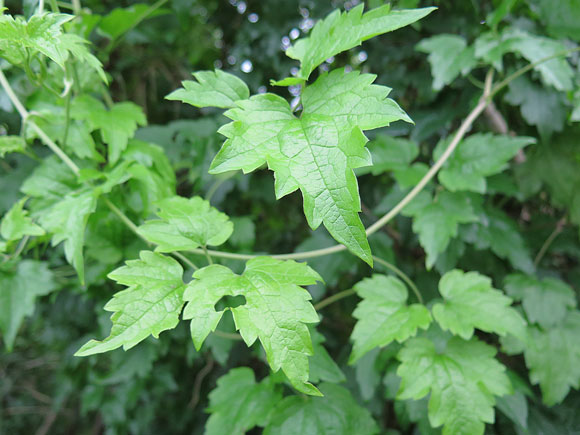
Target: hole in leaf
229,302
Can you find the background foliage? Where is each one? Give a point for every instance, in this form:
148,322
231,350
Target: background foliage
491,244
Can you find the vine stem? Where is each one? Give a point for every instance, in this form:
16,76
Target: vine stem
548,242
332,299
26,119
401,275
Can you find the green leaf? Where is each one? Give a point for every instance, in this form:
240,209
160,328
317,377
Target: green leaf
446,68
67,220
16,223
555,72
462,379
471,302
498,232
341,31
384,316
317,152
553,358
390,154
276,311
19,289
476,158
212,89
539,106
121,20
561,19
150,305
437,222
546,302
239,403
186,224
335,413
11,144
322,366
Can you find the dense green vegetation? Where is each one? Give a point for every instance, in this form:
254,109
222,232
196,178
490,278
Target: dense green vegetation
353,218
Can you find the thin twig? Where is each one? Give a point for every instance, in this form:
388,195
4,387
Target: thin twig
332,299
205,370
548,242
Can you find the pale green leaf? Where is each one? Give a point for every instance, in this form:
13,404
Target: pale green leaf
150,305
11,144
471,302
341,31
16,223
19,288
276,310
212,89
335,413
66,220
445,67
437,222
186,224
239,403
462,379
384,316
317,152
477,157
545,301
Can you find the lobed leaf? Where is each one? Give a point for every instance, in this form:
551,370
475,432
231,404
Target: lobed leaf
16,223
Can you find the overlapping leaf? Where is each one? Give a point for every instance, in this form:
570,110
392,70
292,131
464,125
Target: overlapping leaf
384,316
11,144
471,302
150,305
16,223
239,403
341,31
19,288
317,152
335,413
186,224
462,381
478,157
276,310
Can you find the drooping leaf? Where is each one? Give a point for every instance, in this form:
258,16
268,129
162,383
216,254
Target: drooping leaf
121,20
16,223
462,379
322,366
239,403
335,413
317,152
150,305
276,310
67,220
437,222
341,31
546,302
19,288
478,157
471,302
212,89
444,67
11,144
384,316
186,224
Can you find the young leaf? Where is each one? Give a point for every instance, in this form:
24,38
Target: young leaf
67,220
150,305
446,68
546,302
477,157
186,224
462,379
335,413
276,311
19,289
11,144
239,403
384,316
471,302
212,89
317,152
16,223
437,222
339,32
